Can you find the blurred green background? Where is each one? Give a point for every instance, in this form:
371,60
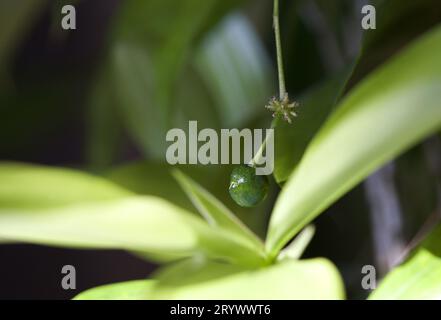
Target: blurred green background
101,98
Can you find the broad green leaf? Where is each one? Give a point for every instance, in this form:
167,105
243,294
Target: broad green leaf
67,208
60,219
293,279
417,278
392,109
155,179
414,176
378,45
214,211
136,223
308,279
142,224
197,269
35,187
152,178
130,290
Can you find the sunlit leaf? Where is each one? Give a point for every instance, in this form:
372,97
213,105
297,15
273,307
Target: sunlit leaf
417,278
35,187
377,46
305,279
392,109
130,290
138,223
66,208
153,178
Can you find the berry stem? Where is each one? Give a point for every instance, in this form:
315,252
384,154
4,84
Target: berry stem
276,25
257,157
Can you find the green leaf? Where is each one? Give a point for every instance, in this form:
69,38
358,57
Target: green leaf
67,208
130,290
305,279
378,45
214,211
137,223
296,248
392,109
36,187
417,278
152,178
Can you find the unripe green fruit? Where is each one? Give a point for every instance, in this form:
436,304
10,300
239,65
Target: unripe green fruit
246,188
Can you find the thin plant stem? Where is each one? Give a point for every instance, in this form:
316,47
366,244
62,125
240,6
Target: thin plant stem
258,156
282,88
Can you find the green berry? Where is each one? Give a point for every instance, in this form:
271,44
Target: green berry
246,188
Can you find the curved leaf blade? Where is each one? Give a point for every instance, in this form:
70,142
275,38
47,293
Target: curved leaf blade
135,223
306,279
392,109
214,211
68,208
129,290
34,186
294,279
153,178
418,278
